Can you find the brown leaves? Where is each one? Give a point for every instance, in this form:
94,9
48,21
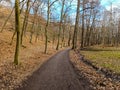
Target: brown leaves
31,58
97,80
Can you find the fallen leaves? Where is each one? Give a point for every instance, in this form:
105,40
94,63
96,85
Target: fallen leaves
97,80
31,58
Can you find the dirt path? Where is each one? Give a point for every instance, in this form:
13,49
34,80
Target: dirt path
56,74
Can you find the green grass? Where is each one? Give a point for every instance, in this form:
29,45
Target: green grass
108,57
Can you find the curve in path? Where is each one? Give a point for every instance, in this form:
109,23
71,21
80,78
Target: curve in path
56,74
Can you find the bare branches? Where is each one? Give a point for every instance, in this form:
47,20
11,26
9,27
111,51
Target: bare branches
52,3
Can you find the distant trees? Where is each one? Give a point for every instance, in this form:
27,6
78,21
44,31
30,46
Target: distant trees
49,5
5,0
110,27
7,20
70,30
65,10
25,21
93,25
60,23
89,18
83,27
99,26
33,28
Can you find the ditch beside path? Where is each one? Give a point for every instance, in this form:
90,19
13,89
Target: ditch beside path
56,74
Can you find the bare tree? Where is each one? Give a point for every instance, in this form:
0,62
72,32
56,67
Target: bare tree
74,42
17,27
60,26
49,5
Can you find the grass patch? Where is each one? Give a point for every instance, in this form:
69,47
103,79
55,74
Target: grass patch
108,57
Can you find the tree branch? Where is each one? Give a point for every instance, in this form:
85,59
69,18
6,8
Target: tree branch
53,3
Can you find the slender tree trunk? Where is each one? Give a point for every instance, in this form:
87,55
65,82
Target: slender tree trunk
63,41
25,20
46,27
32,31
13,37
38,31
74,42
82,35
60,26
53,38
69,39
91,30
17,27
33,24
87,31
22,7
7,20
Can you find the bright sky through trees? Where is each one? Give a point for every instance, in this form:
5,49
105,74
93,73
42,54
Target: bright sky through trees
107,3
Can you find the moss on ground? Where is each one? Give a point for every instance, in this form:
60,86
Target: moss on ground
108,57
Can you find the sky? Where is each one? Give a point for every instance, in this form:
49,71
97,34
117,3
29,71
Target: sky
107,3
104,3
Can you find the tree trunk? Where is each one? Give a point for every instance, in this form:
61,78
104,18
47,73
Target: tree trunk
46,27
7,20
25,20
82,35
69,39
60,26
74,42
17,27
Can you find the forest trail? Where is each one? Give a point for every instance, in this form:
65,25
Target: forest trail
56,74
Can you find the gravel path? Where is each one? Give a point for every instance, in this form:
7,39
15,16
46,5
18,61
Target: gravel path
56,74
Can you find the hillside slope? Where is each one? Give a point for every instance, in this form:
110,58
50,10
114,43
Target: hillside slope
31,55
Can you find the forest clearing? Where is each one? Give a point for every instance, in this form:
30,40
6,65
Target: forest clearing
107,57
59,45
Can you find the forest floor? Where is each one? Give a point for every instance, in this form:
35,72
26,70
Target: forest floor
87,68
99,77
62,72
31,58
